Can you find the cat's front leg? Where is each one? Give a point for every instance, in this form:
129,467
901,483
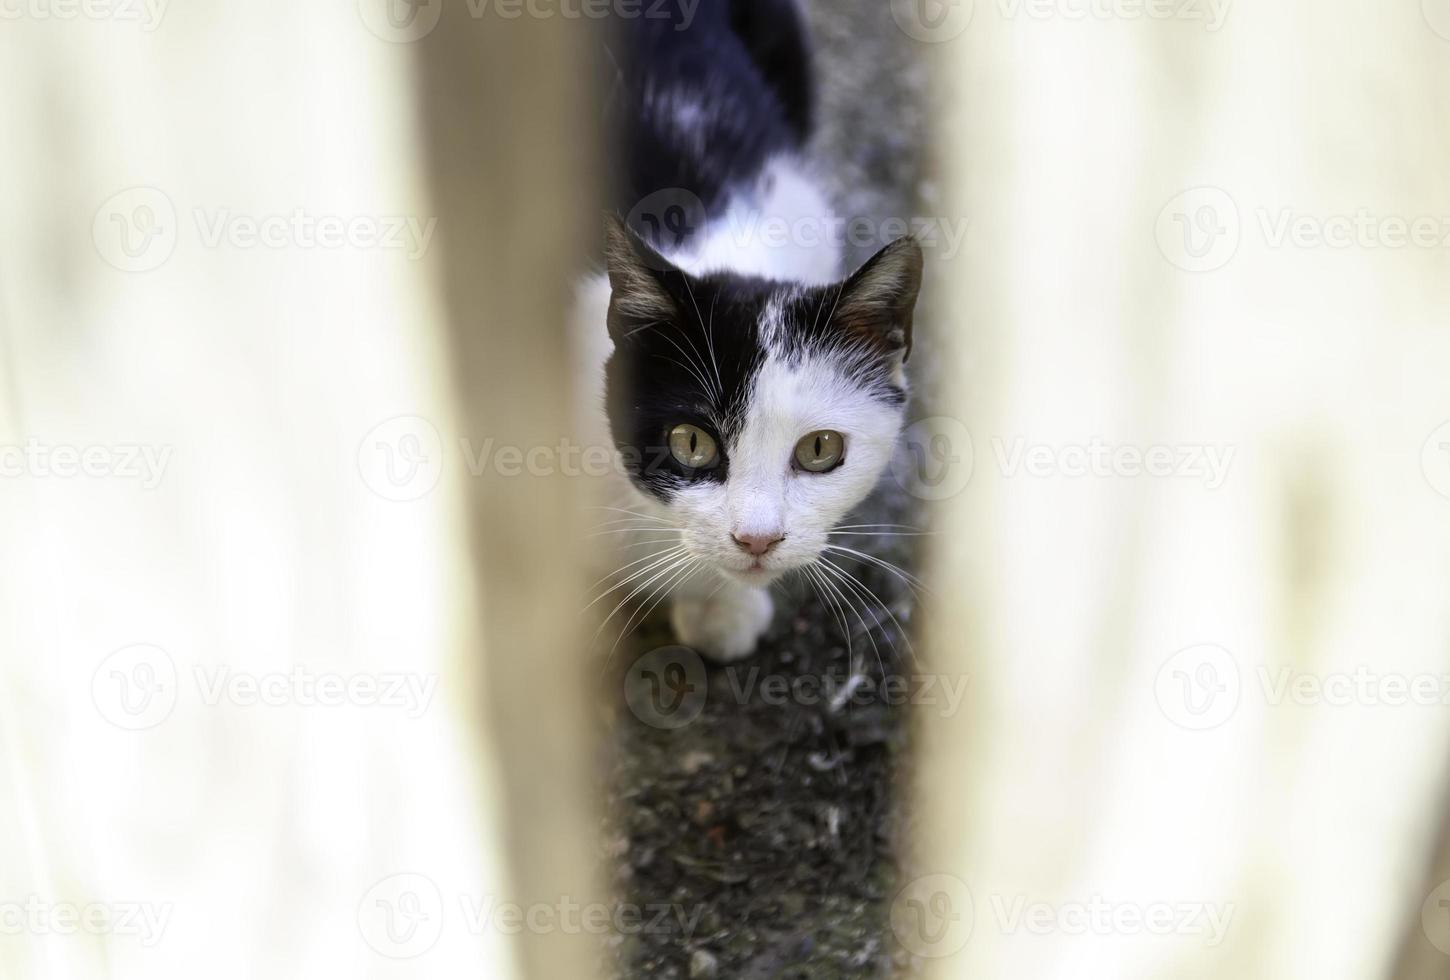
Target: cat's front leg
724,621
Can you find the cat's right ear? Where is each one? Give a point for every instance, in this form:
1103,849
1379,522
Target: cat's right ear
638,297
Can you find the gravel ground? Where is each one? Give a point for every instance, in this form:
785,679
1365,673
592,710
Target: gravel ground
766,823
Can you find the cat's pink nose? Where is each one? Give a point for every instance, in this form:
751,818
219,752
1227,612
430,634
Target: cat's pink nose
756,544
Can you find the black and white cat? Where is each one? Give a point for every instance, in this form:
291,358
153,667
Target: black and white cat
753,395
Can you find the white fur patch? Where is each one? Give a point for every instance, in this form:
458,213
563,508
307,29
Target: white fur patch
765,493
774,230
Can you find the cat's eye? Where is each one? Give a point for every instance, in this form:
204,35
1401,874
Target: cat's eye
820,451
692,446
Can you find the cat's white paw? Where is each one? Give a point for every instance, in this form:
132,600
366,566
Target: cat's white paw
724,627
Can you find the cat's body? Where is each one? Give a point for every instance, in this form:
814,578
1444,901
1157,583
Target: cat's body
752,396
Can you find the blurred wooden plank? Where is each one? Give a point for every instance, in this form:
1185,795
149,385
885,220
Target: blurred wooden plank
510,143
1079,312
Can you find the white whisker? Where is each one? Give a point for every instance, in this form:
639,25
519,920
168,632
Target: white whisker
659,557
856,585
912,581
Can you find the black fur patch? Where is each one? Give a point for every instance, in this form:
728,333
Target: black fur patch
703,103
697,366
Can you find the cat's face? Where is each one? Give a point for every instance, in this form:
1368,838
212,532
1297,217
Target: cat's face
757,413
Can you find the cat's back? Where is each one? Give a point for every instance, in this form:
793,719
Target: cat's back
710,119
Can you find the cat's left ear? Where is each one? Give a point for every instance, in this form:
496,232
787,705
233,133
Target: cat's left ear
878,300
638,297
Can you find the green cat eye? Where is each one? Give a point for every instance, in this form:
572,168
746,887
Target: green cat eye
820,451
692,446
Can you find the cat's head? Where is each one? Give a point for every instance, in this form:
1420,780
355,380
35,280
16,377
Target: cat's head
759,413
